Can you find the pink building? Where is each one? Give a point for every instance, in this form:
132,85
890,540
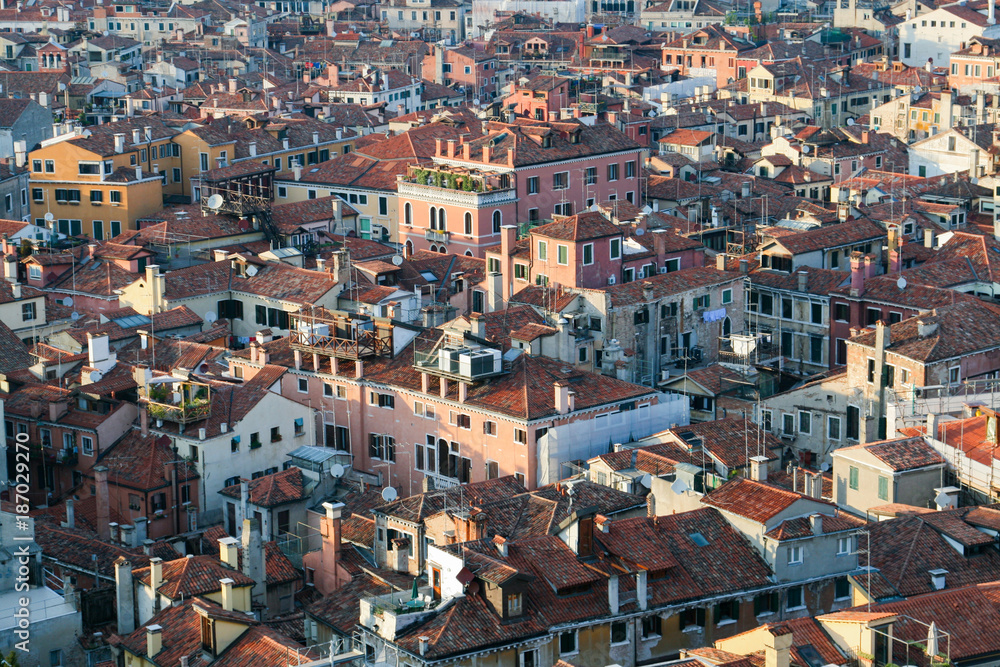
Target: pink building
539,97
446,405
476,71
453,209
589,250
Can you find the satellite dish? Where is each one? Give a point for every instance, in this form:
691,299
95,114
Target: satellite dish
397,260
646,480
75,316
679,487
95,376
850,122
805,149
825,467
901,283
215,202
105,33
337,470
210,316
49,217
251,271
640,231
476,101
389,494
68,301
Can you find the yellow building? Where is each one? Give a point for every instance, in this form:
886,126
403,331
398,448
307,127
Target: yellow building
98,182
274,142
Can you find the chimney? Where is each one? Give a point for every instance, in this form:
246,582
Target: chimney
613,594
451,148
253,148
424,641
140,530
253,558
244,500
315,138
758,468
508,237
227,593
297,170
20,153
119,143
857,274
478,325
136,135
70,513
10,268
229,552
928,238
154,640
103,508
720,261
816,520
232,86
562,393
777,649
125,596
641,579
803,280
938,578
148,131
155,574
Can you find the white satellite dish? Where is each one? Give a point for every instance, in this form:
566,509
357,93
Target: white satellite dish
640,231
825,467
49,217
105,33
210,316
646,480
336,470
251,271
389,494
679,487
95,376
850,122
75,316
805,149
397,260
215,202
68,301
901,283
476,101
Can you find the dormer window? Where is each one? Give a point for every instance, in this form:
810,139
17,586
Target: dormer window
546,141
574,138
515,604
208,635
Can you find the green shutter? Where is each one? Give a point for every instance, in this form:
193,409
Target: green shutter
854,478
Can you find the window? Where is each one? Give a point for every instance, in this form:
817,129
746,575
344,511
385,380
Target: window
833,428
794,555
613,172
529,658
691,618
50,166
497,221
382,400
619,632
489,427
533,185
37,195
382,447
568,643
841,588
115,197
853,478
275,434
616,248
630,169
543,250
787,424
954,374
727,612
853,422
765,604
560,181
88,445
514,606
651,627
254,440
805,423
795,599
816,349
562,254
883,488
303,385
844,545
727,296
520,436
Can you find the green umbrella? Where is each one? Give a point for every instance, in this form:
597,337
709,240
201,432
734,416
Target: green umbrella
415,593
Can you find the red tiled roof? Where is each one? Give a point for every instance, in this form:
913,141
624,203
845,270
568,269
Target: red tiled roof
286,486
187,577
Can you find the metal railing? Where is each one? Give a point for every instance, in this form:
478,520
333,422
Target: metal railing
376,342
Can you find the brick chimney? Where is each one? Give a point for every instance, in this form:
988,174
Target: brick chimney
103,507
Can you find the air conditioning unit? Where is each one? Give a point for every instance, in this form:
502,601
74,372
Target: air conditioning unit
663,269
611,280
479,363
448,359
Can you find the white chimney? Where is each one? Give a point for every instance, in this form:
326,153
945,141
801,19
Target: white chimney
227,593
119,143
758,468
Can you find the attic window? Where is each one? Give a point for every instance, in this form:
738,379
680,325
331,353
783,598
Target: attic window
698,539
208,635
574,138
573,590
546,141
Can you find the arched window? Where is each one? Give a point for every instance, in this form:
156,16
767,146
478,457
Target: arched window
468,253
468,224
408,247
433,248
442,249
497,221
442,223
408,214
434,217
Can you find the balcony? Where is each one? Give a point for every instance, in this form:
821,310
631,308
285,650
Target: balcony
178,401
456,185
341,336
68,456
390,614
436,236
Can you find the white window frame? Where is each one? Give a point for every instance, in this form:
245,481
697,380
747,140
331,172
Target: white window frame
841,542
794,554
840,427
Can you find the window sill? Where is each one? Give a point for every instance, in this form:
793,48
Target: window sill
799,608
725,621
647,638
764,614
693,628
